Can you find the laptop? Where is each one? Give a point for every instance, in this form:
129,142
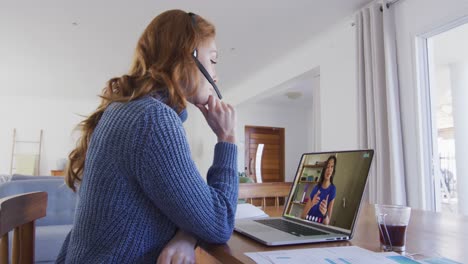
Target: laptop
323,203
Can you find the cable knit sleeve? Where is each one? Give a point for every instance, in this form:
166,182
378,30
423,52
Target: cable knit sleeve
169,177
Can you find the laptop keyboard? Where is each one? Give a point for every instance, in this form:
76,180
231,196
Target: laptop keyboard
289,227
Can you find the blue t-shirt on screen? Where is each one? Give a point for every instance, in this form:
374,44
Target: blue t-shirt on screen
314,212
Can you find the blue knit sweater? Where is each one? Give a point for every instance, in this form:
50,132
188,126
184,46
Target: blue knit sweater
140,185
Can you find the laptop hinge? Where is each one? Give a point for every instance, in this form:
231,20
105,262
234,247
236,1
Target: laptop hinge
318,226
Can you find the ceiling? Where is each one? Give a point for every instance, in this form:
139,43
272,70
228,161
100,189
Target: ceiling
70,48
296,92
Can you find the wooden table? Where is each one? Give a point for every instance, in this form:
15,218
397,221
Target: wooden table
430,234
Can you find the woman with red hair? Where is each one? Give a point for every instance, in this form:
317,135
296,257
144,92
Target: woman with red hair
141,197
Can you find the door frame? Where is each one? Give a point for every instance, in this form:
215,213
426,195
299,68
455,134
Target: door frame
428,148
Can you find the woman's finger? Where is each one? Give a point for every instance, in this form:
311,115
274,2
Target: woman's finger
231,108
177,259
163,258
211,103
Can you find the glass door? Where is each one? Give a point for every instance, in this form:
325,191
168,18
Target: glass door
447,60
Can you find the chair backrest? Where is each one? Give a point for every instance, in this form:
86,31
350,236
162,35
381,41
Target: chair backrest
264,190
61,200
19,213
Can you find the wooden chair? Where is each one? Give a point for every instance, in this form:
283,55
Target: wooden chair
19,213
264,190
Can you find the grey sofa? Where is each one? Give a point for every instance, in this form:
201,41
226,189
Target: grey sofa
52,229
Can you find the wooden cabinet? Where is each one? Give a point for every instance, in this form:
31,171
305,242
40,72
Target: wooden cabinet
308,179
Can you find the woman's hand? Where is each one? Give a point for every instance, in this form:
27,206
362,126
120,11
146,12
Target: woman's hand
323,206
306,209
310,203
181,249
326,219
316,198
221,117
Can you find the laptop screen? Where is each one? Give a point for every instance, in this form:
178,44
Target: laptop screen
328,187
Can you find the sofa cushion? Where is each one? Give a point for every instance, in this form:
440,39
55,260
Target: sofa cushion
5,178
49,240
20,177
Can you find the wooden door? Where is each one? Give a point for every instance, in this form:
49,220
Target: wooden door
272,164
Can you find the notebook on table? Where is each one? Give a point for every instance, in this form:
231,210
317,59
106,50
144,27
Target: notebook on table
323,202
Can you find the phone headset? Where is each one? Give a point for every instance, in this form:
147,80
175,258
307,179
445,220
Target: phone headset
200,66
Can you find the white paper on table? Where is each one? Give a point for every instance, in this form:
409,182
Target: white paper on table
247,210
348,255
439,260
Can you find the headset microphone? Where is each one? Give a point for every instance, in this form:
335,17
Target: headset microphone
206,74
200,66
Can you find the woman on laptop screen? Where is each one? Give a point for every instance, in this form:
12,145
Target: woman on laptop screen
319,207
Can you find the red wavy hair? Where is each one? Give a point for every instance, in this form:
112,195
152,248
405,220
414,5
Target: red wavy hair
162,63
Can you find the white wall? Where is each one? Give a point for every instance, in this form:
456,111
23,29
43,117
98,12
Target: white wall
201,139
294,120
56,116
459,84
334,52
313,117
298,134
414,18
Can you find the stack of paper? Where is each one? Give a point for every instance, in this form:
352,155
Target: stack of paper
335,255
249,211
